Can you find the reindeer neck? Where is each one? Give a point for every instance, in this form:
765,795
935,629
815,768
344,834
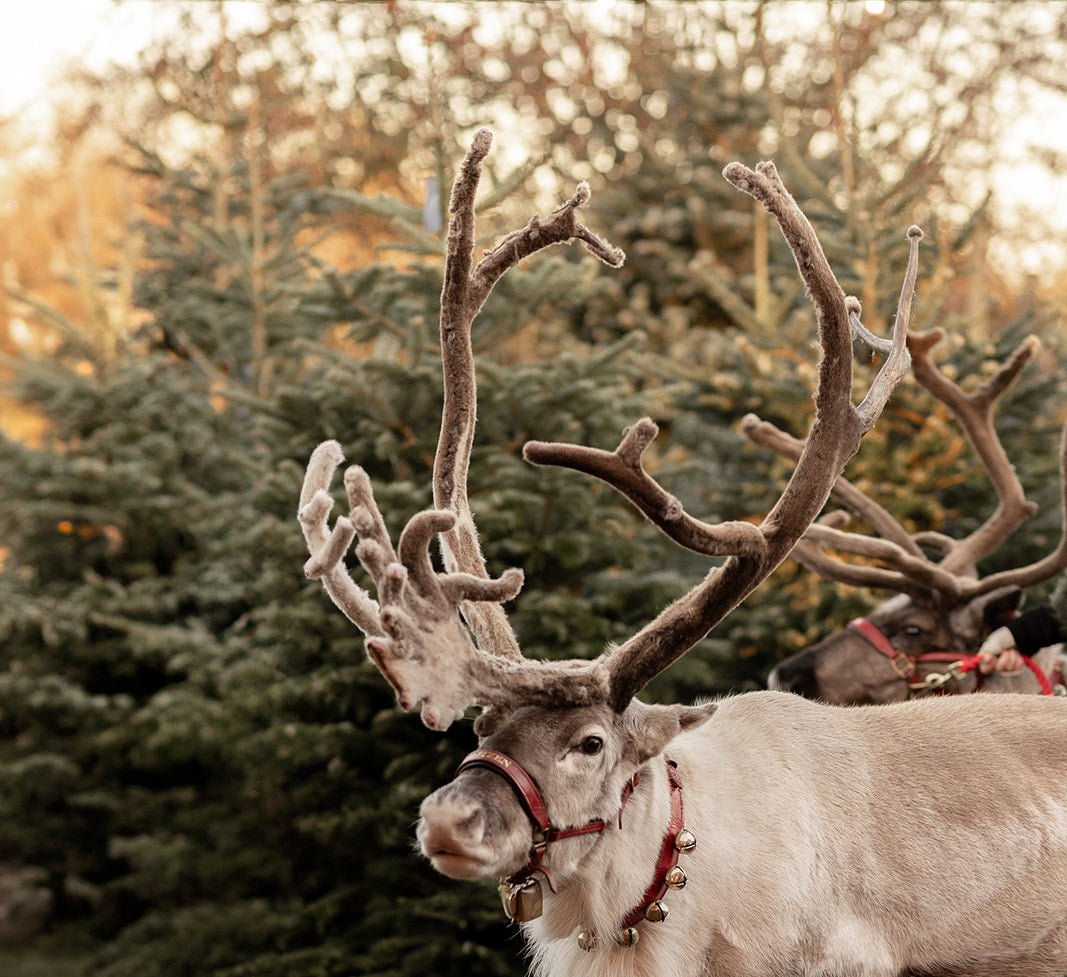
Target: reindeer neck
614,874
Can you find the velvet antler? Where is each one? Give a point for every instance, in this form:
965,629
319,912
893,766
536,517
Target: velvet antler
416,636
443,638
895,559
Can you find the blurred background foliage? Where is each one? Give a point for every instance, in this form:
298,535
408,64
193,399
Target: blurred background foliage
232,251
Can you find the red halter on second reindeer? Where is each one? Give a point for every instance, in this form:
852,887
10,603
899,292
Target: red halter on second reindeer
906,665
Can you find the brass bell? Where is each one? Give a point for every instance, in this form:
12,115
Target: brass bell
675,878
523,901
685,841
628,936
656,913
588,941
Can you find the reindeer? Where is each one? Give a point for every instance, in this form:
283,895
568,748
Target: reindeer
922,639
724,839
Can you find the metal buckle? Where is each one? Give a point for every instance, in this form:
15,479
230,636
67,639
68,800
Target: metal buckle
937,680
903,665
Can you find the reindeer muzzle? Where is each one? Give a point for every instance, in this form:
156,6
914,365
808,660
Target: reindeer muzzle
521,893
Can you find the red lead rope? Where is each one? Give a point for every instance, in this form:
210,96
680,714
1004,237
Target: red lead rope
968,663
905,664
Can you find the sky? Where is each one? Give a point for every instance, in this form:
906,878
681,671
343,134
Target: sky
39,36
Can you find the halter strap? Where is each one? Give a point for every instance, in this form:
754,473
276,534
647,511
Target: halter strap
525,787
529,795
902,663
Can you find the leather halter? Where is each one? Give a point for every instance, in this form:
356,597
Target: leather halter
529,795
533,803
905,665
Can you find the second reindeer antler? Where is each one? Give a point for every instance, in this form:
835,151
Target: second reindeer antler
896,560
441,638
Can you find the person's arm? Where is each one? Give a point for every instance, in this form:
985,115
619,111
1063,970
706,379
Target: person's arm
1027,634
1036,629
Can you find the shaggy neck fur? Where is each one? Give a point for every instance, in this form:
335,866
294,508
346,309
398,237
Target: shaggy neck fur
601,883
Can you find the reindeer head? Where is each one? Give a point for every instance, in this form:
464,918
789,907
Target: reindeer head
583,760
573,729
943,608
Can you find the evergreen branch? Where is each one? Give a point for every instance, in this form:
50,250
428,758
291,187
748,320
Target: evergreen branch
74,336
512,182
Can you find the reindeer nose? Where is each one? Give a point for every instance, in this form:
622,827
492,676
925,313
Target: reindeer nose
449,825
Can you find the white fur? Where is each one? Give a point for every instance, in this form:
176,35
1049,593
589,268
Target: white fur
832,842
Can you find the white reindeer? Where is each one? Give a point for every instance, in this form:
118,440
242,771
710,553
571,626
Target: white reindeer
760,836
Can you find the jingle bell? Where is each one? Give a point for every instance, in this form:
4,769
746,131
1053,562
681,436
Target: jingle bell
628,936
656,913
675,878
588,941
522,901
685,841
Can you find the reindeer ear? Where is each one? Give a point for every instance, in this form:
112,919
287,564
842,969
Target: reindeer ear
649,729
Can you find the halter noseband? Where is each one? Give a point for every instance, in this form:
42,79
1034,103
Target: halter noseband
529,795
521,892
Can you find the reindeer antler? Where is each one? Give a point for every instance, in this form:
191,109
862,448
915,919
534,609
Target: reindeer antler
905,568
754,551
416,636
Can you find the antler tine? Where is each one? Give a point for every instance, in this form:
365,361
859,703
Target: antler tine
834,437
463,294
898,360
974,411
623,471
1043,569
328,548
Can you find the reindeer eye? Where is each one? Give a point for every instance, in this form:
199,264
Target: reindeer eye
913,630
591,745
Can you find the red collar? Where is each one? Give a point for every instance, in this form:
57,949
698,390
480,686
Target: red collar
667,875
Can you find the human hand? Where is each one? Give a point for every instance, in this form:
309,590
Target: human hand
998,653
